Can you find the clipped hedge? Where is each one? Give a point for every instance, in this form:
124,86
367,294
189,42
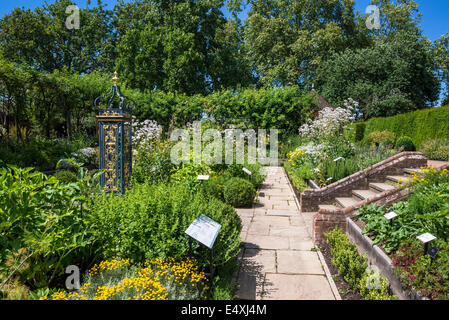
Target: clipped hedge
419,125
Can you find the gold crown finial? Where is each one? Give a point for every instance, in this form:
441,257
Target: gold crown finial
115,79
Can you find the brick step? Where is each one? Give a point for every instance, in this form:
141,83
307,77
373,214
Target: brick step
398,179
347,202
381,187
410,170
364,194
328,207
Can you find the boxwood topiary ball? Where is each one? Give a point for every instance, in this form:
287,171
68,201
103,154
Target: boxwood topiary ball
406,143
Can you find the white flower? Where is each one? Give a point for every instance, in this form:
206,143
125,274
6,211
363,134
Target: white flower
144,132
329,122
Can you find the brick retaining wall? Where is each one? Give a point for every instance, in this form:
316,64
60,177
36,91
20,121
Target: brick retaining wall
311,199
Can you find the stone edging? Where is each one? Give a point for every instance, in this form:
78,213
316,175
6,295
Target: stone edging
378,258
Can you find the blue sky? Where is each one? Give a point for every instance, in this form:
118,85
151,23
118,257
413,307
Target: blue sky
434,20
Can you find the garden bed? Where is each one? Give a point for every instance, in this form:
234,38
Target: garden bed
393,245
378,257
344,289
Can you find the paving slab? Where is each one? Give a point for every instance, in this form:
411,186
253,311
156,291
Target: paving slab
296,287
301,243
258,228
285,213
289,231
266,242
272,221
299,262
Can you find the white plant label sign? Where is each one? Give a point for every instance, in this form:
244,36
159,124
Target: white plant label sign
390,215
426,237
203,178
204,230
247,171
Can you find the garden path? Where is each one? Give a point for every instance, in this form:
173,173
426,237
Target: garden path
277,258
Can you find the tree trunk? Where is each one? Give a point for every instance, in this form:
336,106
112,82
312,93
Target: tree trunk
68,120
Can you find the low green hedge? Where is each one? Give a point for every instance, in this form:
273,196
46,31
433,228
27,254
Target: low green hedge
419,125
354,268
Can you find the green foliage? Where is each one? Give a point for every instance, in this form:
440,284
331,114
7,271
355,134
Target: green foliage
239,192
392,76
65,176
336,170
303,34
436,149
382,137
354,268
345,257
256,177
425,211
152,162
419,273
379,292
298,175
420,125
405,143
150,220
359,131
44,224
40,153
183,46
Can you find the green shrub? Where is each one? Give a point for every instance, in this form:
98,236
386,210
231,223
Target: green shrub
150,221
65,176
406,143
436,149
152,162
382,137
354,268
345,258
239,192
298,175
357,131
214,187
373,286
256,177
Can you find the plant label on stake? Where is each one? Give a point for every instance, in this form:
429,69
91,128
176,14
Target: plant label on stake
426,238
247,171
390,216
205,230
203,178
433,252
338,159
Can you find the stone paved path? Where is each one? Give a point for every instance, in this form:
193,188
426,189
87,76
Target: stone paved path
277,261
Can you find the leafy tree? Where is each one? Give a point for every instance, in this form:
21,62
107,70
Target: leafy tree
288,40
392,77
41,39
441,52
185,46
